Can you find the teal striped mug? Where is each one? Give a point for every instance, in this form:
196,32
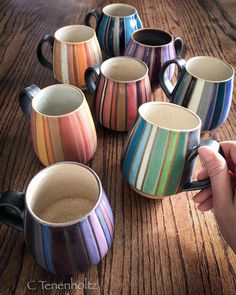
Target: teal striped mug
160,149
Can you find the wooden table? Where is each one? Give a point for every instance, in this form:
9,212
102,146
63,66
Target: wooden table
160,247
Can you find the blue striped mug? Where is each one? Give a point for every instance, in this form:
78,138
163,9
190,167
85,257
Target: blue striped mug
65,215
204,85
114,27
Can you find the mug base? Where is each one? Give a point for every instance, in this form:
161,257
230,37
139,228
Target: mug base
147,195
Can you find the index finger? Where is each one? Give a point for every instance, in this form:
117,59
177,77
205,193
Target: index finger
229,149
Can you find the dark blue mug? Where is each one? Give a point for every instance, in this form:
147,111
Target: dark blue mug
204,85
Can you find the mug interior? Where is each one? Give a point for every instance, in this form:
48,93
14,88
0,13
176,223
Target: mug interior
152,37
63,192
124,69
119,10
74,34
58,100
209,68
169,116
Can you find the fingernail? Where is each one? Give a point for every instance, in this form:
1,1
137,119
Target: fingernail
206,154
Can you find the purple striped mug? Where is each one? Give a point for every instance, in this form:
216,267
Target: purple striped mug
154,47
65,215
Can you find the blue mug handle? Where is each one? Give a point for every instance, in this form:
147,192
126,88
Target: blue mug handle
165,83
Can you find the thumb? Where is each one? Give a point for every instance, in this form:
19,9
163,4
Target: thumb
218,172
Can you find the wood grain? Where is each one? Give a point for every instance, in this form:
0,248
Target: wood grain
160,247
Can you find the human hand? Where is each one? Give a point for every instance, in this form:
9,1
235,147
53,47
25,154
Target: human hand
221,195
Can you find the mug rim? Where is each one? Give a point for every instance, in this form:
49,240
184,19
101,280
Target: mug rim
68,223
121,4
198,126
124,57
74,26
151,29
212,58
56,86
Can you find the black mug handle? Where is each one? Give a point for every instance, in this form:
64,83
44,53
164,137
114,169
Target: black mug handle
201,184
12,209
44,62
91,76
179,45
25,98
165,83
93,13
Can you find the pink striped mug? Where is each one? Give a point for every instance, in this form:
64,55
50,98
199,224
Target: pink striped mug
62,126
120,85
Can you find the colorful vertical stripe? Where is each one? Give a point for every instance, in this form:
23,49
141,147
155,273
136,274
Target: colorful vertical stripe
153,158
154,57
117,103
69,249
114,33
70,60
210,100
64,138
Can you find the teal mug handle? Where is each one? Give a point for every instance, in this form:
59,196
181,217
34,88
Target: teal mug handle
165,83
205,183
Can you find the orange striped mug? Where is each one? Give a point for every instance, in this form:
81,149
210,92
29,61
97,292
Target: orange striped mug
74,48
62,126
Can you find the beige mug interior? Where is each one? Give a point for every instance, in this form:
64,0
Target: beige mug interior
209,68
58,100
119,10
63,192
74,34
124,69
170,116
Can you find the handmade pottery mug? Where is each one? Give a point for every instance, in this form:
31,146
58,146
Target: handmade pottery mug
204,85
65,215
157,158
74,48
119,87
114,26
154,47
62,126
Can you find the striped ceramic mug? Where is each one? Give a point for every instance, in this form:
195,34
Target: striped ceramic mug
157,158
65,215
114,26
122,86
62,126
204,85
74,48
154,47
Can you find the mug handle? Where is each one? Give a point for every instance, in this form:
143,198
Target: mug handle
165,83
91,76
44,62
179,45
12,209
201,184
25,98
93,13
